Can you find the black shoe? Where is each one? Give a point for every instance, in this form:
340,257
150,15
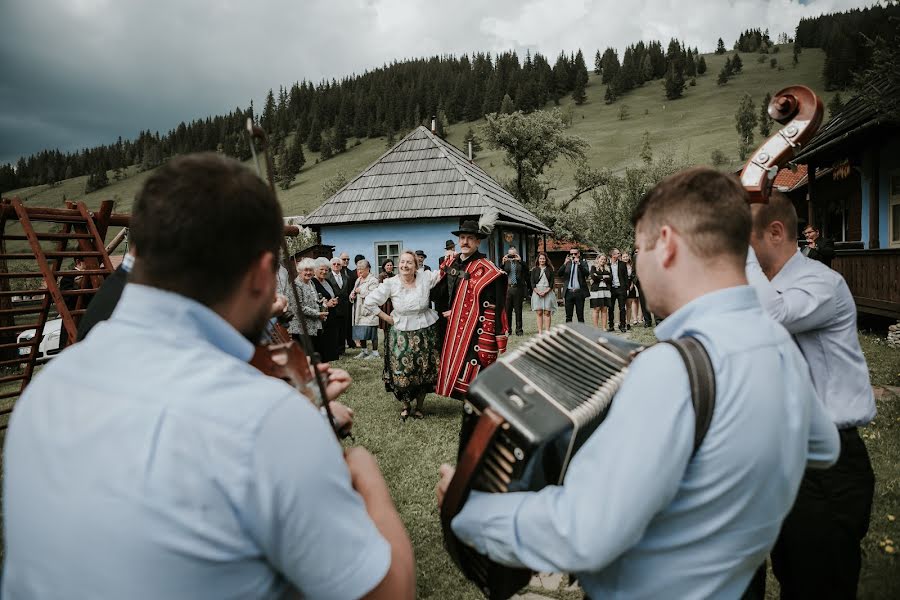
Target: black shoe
520,332
628,327
622,330
610,330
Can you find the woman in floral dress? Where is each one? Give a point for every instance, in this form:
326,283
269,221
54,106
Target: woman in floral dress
412,338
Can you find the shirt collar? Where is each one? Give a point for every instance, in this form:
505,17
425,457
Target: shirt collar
178,315
715,303
787,270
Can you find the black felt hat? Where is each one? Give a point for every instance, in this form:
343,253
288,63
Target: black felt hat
449,245
469,227
421,253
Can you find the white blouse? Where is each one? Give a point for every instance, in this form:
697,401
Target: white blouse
412,306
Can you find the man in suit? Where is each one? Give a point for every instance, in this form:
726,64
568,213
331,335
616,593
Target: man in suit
420,260
519,286
575,272
618,290
341,285
817,247
350,275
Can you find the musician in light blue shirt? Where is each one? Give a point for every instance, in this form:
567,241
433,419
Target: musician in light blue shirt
639,516
815,305
152,461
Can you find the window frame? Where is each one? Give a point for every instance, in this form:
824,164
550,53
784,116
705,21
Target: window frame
387,244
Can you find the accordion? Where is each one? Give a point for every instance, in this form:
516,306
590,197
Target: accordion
525,417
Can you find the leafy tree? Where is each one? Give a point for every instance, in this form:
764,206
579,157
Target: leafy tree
333,184
745,122
720,47
701,66
765,121
773,63
718,158
532,143
646,149
623,112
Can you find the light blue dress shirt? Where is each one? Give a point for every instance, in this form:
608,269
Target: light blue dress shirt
152,461
814,303
638,517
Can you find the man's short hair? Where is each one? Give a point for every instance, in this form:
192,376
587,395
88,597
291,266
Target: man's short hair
198,224
708,208
779,208
358,258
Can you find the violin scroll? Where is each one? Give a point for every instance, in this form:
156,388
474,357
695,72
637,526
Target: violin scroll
800,110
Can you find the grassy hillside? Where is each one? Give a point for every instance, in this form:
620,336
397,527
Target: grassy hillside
691,127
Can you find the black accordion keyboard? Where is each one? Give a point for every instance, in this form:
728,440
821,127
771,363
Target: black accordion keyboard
551,394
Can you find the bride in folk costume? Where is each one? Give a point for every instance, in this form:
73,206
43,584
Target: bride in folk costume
475,290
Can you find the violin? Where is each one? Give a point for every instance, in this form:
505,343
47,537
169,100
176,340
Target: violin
279,355
800,111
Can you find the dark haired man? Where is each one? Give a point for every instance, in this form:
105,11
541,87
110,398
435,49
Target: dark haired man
519,285
641,514
178,470
618,290
817,247
818,554
574,272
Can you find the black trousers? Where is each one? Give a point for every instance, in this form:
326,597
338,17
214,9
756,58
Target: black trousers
574,301
817,554
617,295
514,298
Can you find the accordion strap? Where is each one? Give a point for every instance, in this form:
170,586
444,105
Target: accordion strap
702,378
458,490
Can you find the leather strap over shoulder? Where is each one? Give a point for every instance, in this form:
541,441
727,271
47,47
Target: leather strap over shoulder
702,379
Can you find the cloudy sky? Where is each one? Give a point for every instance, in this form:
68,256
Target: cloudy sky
76,73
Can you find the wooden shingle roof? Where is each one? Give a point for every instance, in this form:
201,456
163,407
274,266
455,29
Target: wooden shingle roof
422,177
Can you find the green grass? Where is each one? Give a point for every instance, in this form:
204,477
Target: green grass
689,128
409,454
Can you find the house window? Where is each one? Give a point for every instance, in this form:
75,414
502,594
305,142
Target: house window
388,250
894,209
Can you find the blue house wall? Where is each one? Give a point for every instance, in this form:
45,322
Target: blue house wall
428,235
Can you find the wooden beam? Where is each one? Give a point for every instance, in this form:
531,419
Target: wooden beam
874,242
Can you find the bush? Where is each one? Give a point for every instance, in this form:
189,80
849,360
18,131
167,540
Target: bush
718,158
761,58
773,63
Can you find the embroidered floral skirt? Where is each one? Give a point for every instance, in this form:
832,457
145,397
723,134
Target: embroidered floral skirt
411,362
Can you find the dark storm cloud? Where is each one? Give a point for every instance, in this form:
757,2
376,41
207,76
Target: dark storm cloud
75,73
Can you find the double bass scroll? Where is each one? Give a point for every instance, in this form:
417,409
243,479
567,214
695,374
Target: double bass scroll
800,110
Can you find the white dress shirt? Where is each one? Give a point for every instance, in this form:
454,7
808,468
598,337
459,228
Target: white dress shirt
614,267
815,305
412,306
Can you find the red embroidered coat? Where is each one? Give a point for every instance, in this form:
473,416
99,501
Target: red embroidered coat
477,328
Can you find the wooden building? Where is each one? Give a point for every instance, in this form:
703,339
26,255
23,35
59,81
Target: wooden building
852,189
413,196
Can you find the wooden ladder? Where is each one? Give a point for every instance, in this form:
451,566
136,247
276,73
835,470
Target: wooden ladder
76,224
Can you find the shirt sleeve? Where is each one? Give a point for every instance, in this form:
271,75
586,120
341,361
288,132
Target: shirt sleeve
377,297
626,472
310,523
824,441
807,302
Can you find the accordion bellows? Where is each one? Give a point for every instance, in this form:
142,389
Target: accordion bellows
525,417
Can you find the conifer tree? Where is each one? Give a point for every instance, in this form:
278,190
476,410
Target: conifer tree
720,47
765,121
835,106
314,141
598,63
290,163
267,121
701,66
646,149
745,123
507,106
722,79
578,94
736,63
674,81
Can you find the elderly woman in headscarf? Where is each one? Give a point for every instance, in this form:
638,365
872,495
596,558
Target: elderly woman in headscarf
412,339
365,324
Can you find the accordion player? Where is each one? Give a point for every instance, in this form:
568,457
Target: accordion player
517,437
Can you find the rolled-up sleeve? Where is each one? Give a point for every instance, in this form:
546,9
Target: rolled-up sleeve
376,298
606,503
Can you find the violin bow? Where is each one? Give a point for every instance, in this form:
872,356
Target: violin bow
800,110
257,133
